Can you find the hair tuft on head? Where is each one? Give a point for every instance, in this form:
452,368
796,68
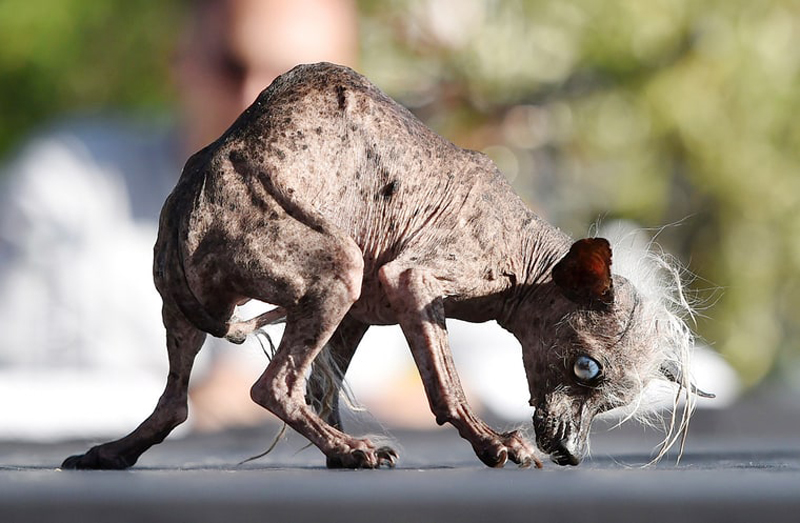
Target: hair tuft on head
669,314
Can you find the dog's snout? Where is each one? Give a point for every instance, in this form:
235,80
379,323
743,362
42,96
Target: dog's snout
557,438
563,457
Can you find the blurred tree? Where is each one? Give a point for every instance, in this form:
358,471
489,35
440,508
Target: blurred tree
60,56
659,112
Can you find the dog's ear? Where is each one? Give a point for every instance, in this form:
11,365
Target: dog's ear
584,274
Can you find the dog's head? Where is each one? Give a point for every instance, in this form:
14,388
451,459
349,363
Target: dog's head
603,341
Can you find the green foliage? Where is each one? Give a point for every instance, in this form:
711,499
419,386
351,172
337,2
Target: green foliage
60,56
656,111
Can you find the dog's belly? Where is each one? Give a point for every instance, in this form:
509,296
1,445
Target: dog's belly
373,307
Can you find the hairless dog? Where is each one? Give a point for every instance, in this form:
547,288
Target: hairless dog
332,202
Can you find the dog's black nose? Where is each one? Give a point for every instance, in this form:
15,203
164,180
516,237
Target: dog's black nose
562,457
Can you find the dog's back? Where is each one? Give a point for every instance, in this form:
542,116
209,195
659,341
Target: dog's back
322,146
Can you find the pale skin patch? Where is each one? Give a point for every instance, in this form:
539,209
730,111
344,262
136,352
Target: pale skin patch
334,203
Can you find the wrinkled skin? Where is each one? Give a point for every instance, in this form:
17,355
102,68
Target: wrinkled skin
565,407
331,201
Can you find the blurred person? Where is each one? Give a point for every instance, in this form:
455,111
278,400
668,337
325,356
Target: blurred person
79,208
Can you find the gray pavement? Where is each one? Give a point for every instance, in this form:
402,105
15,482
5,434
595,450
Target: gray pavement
742,464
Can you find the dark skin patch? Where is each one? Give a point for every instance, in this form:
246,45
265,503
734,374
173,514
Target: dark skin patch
390,189
340,97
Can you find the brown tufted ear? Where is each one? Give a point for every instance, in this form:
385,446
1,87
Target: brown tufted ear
584,274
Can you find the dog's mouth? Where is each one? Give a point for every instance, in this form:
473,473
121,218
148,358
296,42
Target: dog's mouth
560,439
559,453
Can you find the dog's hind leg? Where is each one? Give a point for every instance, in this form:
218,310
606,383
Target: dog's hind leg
183,343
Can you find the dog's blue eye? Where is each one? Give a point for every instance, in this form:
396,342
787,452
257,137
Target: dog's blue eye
586,369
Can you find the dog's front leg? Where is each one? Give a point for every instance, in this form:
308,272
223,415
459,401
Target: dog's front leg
415,296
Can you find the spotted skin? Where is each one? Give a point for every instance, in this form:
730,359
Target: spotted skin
333,202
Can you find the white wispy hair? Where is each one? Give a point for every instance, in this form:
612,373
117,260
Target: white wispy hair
668,314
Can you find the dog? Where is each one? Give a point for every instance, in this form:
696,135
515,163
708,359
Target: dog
331,201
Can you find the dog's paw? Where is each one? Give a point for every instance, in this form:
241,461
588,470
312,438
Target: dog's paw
520,450
496,451
493,454
96,460
361,458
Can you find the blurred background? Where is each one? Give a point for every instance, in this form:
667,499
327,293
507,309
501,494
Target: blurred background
673,113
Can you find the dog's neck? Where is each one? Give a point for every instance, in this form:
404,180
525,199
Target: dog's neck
533,298
522,286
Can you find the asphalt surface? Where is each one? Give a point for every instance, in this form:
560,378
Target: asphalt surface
741,464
